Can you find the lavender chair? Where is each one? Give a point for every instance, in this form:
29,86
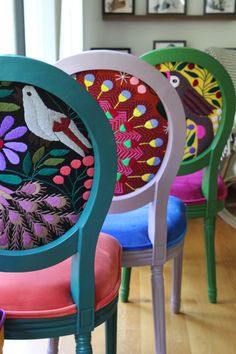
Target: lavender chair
148,122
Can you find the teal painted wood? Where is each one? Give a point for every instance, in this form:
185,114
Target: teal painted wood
80,241
111,329
210,158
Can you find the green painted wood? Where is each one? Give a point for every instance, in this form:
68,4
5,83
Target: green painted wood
210,158
209,225
124,290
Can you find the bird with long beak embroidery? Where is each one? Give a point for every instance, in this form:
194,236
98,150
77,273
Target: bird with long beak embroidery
51,125
197,109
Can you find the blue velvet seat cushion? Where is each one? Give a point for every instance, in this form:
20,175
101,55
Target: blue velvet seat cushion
131,228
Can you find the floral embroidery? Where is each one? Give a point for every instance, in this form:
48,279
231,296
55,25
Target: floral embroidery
138,121
8,145
29,217
46,177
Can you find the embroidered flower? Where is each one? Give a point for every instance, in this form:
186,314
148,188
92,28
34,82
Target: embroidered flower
8,146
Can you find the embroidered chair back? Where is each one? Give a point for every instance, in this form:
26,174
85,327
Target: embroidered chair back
207,94
54,162
140,106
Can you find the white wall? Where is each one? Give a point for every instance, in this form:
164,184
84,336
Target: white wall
139,36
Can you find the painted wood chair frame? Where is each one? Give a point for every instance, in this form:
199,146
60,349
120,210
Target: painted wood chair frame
79,241
210,158
155,190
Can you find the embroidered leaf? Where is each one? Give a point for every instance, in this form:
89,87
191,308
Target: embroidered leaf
161,110
5,93
191,140
59,152
53,162
27,164
213,80
38,154
8,107
10,179
214,89
5,83
190,73
216,103
47,171
188,158
181,66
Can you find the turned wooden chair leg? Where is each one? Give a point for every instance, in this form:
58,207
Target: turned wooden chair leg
111,334
83,344
158,303
209,226
124,291
176,282
53,344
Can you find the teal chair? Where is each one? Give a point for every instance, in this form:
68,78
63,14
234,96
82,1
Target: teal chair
208,98
59,276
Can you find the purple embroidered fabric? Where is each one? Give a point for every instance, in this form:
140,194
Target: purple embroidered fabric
46,167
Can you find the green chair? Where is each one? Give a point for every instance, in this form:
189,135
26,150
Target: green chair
208,97
58,275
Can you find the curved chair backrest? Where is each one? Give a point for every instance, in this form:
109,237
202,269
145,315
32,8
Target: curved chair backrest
53,196
147,120
207,93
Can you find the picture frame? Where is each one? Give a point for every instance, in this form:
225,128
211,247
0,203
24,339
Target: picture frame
219,7
169,44
166,7
118,7
125,50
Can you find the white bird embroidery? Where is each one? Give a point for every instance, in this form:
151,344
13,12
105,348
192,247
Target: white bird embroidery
51,125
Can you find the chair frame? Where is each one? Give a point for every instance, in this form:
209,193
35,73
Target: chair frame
210,158
79,241
158,188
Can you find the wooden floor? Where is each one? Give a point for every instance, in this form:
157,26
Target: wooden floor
201,328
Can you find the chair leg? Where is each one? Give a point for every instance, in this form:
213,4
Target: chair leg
83,344
158,303
176,282
209,226
124,291
53,346
111,334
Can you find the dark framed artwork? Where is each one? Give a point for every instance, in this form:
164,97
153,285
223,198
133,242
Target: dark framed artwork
224,7
118,7
169,44
165,7
125,50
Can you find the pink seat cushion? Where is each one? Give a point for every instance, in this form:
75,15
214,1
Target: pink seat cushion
188,188
46,293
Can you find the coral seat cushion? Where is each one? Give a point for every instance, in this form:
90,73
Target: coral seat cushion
46,293
189,188
131,228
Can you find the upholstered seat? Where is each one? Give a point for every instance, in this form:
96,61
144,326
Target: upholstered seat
189,188
131,228
46,293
